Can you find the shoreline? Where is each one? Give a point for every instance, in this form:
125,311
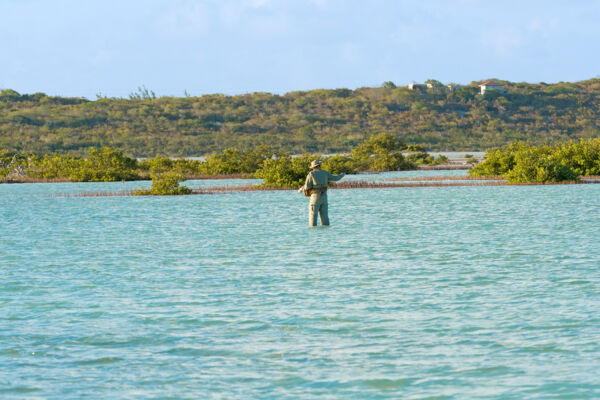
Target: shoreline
443,167
143,178
429,182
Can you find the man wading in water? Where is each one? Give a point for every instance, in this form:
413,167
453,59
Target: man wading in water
316,187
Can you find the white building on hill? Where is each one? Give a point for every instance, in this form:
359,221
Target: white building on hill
417,86
490,85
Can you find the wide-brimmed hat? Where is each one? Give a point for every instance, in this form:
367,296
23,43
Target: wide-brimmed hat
315,164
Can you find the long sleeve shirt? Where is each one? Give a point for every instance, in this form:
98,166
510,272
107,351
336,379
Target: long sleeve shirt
319,179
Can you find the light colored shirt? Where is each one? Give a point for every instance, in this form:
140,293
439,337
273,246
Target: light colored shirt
319,179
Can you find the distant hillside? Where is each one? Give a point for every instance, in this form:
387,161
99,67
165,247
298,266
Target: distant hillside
314,121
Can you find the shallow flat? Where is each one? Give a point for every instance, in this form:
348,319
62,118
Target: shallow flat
456,292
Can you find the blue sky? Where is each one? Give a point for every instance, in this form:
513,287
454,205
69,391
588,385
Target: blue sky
81,48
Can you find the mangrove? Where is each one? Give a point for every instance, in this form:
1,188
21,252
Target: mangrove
382,152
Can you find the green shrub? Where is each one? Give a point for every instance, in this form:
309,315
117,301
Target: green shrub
156,165
382,152
441,159
165,184
471,159
338,164
420,157
234,161
55,166
389,162
583,156
161,164
425,158
12,162
537,164
415,147
522,163
229,161
105,165
253,160
285,171
498,161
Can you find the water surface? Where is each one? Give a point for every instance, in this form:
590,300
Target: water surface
444,292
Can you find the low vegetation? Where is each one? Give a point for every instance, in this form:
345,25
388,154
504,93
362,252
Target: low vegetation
165,184
520,162
317,121
285,171
382,152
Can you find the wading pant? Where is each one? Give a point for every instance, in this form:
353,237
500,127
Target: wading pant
318,205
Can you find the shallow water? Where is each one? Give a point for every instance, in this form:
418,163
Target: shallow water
444,292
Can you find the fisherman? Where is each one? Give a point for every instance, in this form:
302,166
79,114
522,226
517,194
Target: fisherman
316,187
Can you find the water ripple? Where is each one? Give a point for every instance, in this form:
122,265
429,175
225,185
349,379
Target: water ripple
449,292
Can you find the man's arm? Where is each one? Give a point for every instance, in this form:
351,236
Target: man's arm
335,178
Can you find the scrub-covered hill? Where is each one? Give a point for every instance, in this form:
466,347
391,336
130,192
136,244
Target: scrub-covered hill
320,120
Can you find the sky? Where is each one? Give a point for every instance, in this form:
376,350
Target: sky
84,48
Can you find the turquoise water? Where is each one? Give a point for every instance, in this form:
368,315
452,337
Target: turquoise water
443,292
